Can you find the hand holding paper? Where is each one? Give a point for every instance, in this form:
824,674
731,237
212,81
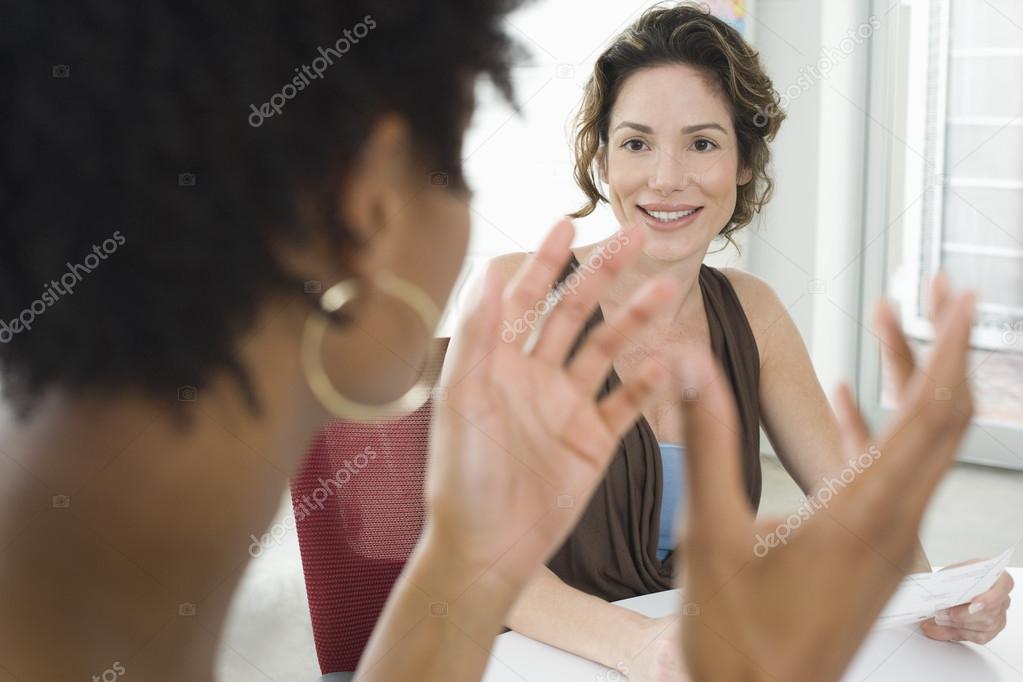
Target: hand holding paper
922,595
979,621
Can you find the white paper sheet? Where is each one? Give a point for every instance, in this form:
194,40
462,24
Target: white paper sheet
920,595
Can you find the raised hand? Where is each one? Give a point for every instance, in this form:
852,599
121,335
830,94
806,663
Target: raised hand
519,442
800,609
985,616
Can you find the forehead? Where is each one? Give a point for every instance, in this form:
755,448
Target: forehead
671,96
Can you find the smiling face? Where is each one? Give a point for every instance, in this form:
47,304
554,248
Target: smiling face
671,160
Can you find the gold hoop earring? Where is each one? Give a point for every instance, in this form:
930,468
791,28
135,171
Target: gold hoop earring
332,300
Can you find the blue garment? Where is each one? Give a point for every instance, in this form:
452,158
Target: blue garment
672,495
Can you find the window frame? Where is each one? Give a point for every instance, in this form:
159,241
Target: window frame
988,442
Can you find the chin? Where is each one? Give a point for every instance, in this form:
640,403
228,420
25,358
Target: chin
671,246
664,250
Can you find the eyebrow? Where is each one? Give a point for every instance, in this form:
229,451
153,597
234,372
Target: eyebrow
688,129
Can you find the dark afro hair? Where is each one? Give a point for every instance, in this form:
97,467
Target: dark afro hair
145,186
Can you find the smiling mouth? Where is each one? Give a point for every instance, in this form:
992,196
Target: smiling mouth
670,216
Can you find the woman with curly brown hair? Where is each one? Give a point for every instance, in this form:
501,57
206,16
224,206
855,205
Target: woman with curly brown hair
673,134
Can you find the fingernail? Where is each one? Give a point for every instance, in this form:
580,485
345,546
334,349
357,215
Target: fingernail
976,607
943,621
943,613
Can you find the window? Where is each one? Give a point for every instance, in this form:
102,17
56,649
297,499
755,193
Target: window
950,112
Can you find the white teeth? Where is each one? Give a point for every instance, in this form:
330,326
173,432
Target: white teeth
668,216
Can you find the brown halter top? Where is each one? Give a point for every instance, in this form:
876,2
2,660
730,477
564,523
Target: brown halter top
612,553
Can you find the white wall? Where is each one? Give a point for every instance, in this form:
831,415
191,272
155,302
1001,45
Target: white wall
809,246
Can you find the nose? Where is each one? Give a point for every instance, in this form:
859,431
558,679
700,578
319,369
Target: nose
669,174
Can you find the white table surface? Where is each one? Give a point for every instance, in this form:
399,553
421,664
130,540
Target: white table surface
893,655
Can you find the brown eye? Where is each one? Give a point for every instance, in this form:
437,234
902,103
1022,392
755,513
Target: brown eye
704,145
634,145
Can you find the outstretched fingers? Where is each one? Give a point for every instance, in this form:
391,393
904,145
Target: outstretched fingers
947,365
620,408
526,299
591,364
579,294
938,408
898,355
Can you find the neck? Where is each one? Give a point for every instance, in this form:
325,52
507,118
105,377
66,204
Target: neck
685,273
157,517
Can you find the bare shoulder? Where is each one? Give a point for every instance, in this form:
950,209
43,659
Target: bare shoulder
755,294
508,264
765,311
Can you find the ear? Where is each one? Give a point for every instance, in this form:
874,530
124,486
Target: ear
600,161
376,178
745,175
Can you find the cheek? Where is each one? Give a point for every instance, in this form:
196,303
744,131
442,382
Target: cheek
721,183
625,176
451,244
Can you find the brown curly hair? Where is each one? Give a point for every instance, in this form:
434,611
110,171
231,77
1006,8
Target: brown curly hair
691,35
